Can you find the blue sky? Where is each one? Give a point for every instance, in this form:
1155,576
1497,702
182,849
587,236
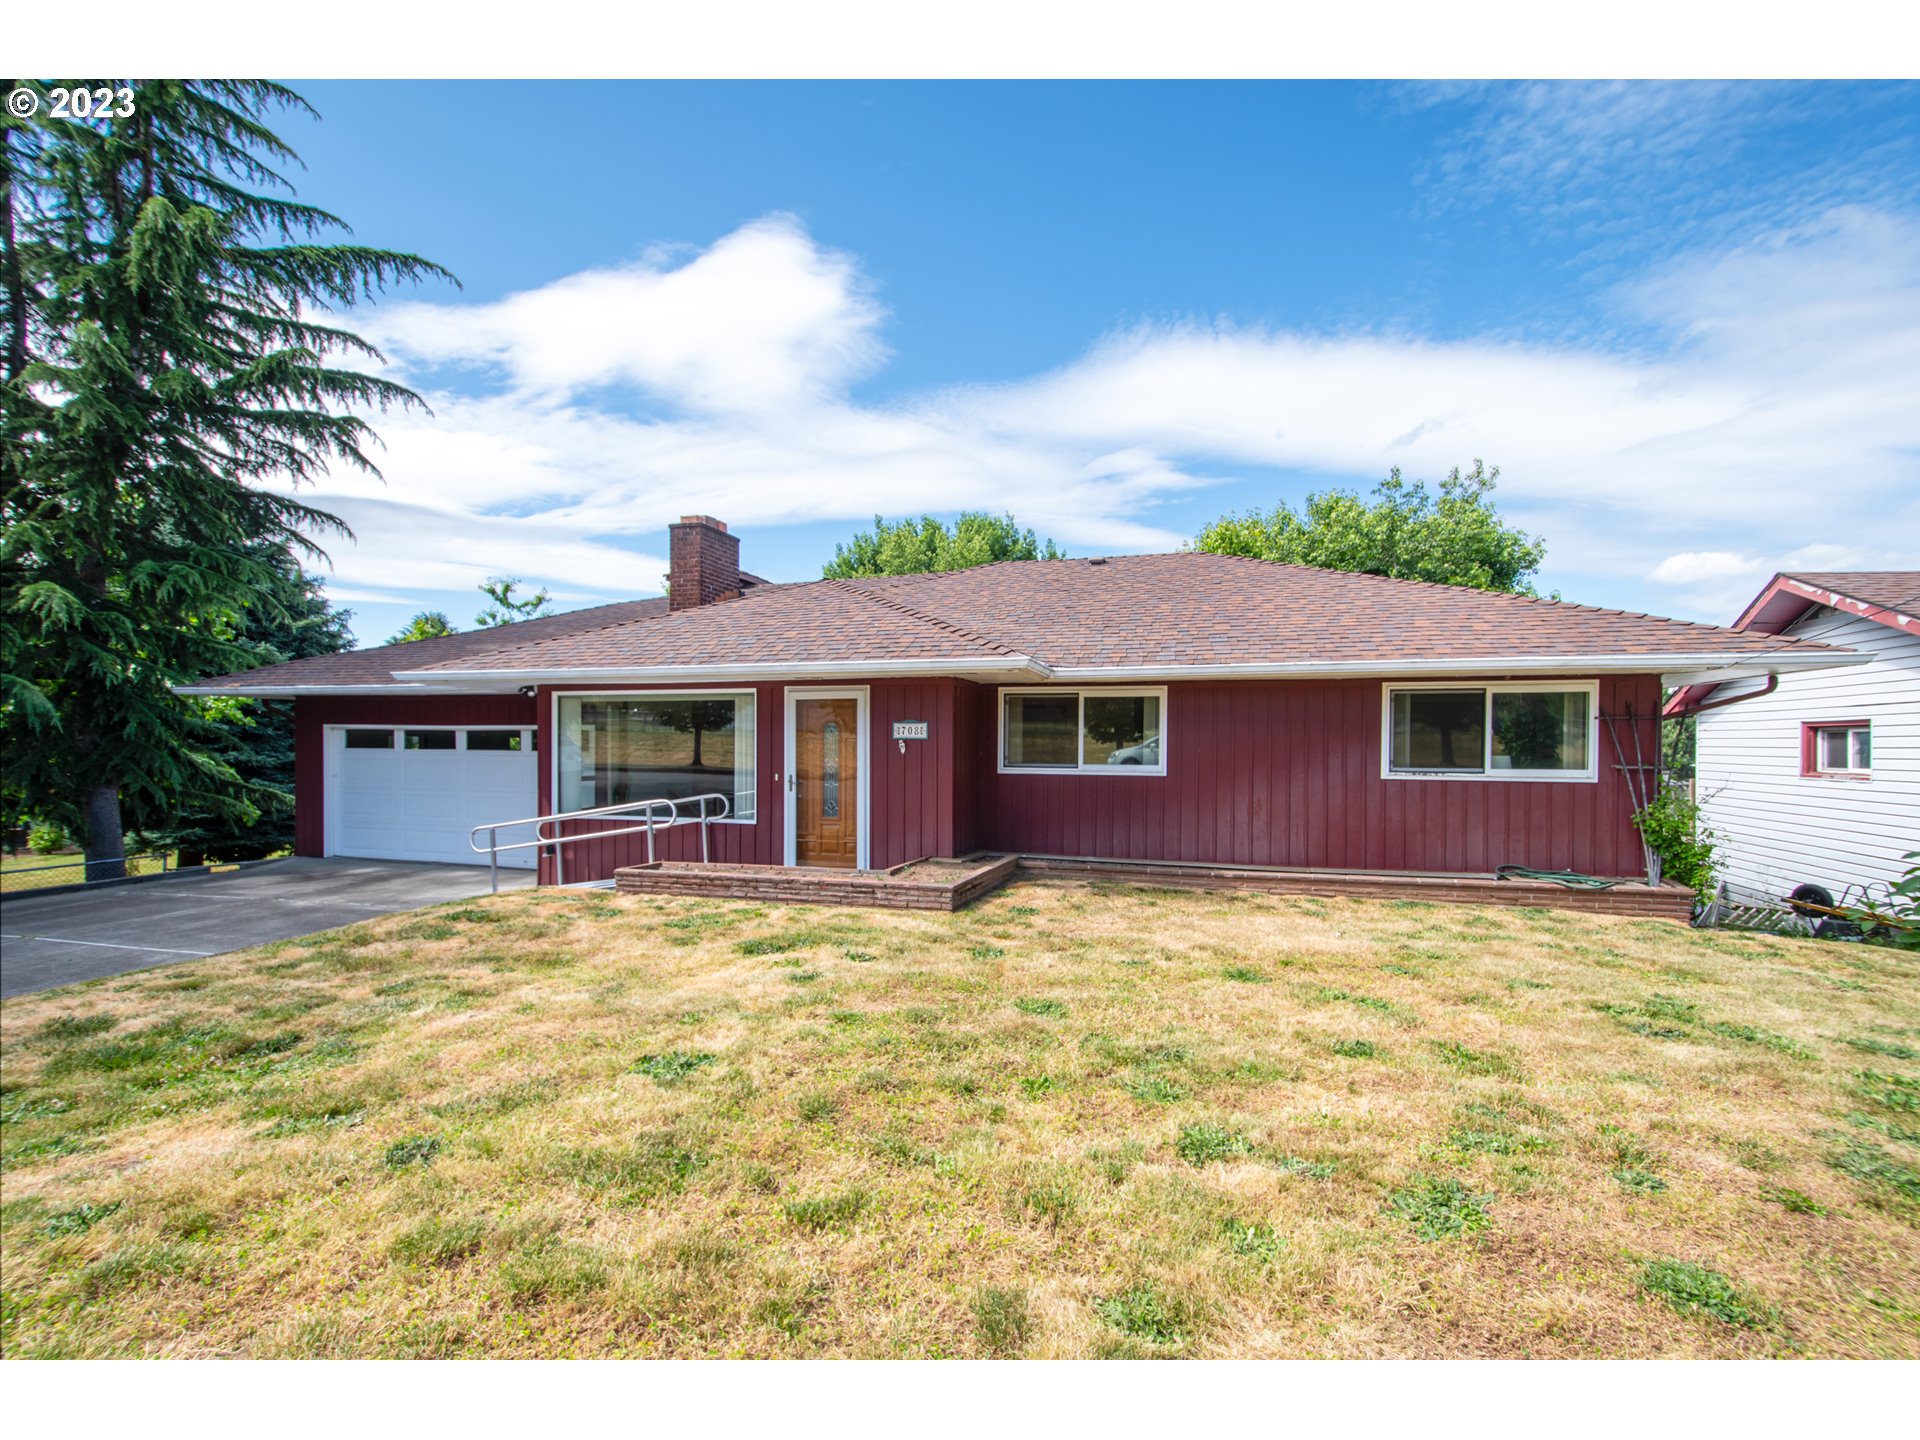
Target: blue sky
1684,319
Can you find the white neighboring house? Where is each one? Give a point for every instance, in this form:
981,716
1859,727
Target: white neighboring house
1814,779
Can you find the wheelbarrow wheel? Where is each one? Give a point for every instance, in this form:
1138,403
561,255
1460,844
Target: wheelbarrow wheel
1809,900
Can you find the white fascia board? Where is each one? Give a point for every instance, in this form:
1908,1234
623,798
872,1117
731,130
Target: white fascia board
1754,668
777,670
1475,665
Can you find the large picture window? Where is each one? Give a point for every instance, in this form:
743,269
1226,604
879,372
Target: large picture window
617,749
1509,731
1105,731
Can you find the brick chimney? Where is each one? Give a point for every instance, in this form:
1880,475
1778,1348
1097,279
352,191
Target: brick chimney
703,562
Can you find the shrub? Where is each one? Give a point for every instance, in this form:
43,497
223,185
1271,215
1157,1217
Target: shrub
46,838
1673,829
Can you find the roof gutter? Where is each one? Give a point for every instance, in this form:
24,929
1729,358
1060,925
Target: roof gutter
1722,667
301,692
1692,669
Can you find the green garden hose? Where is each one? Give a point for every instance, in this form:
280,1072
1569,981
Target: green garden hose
1572,879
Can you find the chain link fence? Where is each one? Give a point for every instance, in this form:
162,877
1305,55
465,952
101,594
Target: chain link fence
19,873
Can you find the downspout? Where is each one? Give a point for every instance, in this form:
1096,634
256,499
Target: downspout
1773,684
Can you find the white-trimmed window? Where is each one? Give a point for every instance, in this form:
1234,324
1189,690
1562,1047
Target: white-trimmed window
1106,732
1508,731
1843,749
666,745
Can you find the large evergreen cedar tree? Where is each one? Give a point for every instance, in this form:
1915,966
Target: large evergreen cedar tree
162,361
919,547
1406,531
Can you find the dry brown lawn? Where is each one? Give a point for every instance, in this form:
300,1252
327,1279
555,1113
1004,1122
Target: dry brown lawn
1071,1121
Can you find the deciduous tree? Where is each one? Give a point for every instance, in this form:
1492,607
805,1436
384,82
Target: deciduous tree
1455,537
916,547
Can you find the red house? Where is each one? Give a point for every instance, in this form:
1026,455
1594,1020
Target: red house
1181,709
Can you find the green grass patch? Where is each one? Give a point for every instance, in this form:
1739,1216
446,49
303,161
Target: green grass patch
1892,1049
413,1150
1154,1088
1356,1049
76,1027
438,1241
1440,1207
1641,1182
1147,1313
78,1220
1470,1061
1888,1090
1692,1289
1874,1166
1203,1144
1027,1006
827,1212
1793,1201
1246,975
1259,1243
1001,1317
1754,1035
671,1067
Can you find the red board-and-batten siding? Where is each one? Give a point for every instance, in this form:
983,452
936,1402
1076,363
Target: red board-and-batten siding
916,808
1288,773
1280,773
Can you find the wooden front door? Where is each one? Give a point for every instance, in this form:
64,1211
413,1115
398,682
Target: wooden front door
826,800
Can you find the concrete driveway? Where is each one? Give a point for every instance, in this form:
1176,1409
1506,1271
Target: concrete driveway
49,940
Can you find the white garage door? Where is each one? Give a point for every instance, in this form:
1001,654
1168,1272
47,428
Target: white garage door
414,794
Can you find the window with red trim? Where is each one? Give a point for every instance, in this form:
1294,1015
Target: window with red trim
1837,747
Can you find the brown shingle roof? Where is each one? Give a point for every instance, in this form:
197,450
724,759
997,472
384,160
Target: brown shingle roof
1137,612
816,623
1201,609
1890,589
1185,609
375,666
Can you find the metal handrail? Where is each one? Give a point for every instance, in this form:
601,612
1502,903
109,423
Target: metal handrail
648,810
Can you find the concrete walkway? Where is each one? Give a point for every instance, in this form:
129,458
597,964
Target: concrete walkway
49,940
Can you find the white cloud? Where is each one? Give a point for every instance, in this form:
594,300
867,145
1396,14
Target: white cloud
1776,407
764,319
1696,566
